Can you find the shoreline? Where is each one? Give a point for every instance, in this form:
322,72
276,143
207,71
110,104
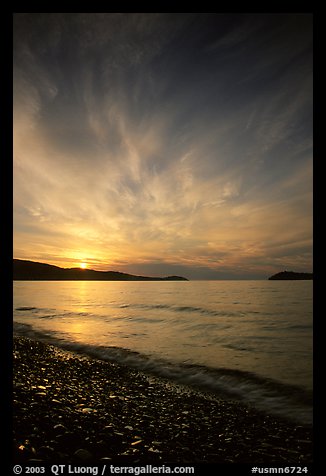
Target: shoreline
68,408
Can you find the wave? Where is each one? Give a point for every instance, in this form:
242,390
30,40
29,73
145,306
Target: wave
286,401
26,308
245,348
183,309
44,313
300,326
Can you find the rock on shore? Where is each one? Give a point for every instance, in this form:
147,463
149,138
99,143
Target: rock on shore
69,409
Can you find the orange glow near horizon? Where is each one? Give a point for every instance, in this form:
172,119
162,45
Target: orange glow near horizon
83,265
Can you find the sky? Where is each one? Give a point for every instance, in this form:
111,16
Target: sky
164,143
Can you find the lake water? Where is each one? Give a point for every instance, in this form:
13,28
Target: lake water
245,340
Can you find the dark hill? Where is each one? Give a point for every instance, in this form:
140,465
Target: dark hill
31,270
290,275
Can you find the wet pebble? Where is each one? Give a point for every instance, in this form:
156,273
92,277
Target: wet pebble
83,455
59,428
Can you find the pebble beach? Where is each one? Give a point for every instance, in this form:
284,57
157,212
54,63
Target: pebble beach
70,409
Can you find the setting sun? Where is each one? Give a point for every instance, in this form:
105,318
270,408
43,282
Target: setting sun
83,265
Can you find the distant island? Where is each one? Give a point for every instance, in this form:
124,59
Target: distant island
290,275
32,271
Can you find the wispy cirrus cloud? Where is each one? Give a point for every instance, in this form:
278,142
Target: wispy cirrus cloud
143,141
